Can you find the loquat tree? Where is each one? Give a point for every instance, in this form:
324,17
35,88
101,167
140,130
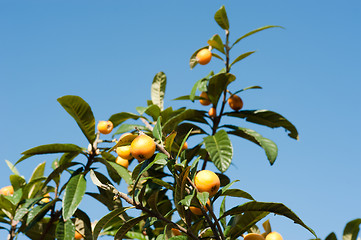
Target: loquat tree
170,188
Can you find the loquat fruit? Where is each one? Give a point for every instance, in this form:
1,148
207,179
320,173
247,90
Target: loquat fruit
185,146
204,99
207,181
77,235
253,236
274,236
204,56
212,112
124,152
235,102
7,191
105,127
122,161
198,211
142,147
176,232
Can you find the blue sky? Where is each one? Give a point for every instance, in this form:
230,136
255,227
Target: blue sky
108,52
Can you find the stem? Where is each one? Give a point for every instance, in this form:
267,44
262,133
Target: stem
12,232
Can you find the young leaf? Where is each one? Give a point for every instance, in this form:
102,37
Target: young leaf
216,42
266,118
118,118
277,208
82,113
38,172
128,225
242,56
12,167
220,150
158,89
221,18
73,195
157,130
253,32
268,145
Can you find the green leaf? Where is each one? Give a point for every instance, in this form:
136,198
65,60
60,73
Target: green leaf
12,167
247,88
65,230
51,148
242,56
239,224
38,172
169,140
82,114
188,114
106,219
216,42
180,191
17,181
158,89
221,18
203,197
159,182
128,225
157,130
277,208
123,172
237,193
83,224
254,31
217,85
118,118
180,237
352,230
220,150
268,145
73,195
193,60
127,127
266,118
54,174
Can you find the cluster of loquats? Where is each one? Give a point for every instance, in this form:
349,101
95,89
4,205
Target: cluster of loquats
7,191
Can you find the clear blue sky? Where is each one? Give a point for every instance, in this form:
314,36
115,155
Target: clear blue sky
107,52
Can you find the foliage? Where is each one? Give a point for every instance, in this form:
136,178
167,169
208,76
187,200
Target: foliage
160,188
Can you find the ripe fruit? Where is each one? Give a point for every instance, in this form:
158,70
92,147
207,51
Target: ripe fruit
235,102
198,211
78,235
124,152
205,101
253,236
122,162
8,190
207,181
204,56
176,232
142,147
105,127
46,198
212,112
185,146
274,236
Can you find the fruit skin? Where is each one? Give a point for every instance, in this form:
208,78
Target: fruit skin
274,236
204,56
124,152
235,102
198,211
7,191
207,181
185,146
142,147
176,232
122,161
254,236
105,127
78,235
212,112
46,198
205,101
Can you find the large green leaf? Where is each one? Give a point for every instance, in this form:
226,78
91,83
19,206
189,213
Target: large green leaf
188,114
216,42
266,118
221,18
128,225
158,89
253,32
65,230
152,110
352,230
82,113
220,150
268,145
240,223
73,195
218,84
118,118
106,219
276,208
